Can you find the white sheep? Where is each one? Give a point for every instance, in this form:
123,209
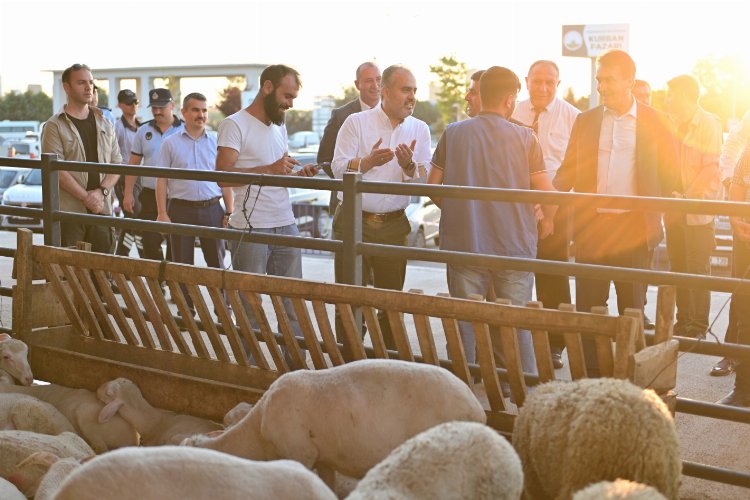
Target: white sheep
156,427
172,472
14,363
621,489
56,470
347,418
26,413
452,460
237,413
572,434
82,408
18,446
8,491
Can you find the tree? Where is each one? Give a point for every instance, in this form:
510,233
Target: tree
350,93
297,120
581,103
26,106
428,113
172,84
452,76
230,100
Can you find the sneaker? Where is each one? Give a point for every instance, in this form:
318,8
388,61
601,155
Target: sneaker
557,361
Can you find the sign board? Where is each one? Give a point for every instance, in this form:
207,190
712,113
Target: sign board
593,40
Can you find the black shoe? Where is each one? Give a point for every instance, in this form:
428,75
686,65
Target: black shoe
723,367
648,324
736,398
557,361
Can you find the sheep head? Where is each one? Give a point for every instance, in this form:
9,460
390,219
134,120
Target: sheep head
237,413
14,359
114,394
29,472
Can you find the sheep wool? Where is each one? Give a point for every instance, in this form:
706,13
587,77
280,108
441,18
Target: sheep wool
452,460
56,474
14,363
572,434
26,413
618,490
9,492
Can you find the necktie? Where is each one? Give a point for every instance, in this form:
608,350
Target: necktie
535,122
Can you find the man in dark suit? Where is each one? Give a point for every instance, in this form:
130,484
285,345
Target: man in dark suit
368,85
619,148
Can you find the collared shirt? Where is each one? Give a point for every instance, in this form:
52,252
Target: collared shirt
147,142
360,132
364,105
554,126
125,135
616,162
700,150
181,150
738,138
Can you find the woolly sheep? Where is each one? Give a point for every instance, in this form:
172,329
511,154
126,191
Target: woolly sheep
57,470
9,492
82,408
19,467
14,363
453,460
236,414
26,413
347,418
618,490
172,472
156,427
572,434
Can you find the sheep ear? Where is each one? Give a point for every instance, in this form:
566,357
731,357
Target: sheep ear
41,458
109,411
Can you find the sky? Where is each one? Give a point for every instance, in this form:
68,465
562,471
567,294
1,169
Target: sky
325,41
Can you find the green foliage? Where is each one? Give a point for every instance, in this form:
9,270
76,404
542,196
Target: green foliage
172,84
350,93
428,113
297,120
230,100
103,97
26,106
452,79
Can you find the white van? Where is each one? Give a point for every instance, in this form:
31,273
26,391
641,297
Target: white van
18,130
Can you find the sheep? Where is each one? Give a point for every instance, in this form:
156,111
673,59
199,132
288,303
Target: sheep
452,460
57,469
618,490
14,363
236,414
347,418
9,492
572,434
18,446
156,427
172,472
82,408
26,413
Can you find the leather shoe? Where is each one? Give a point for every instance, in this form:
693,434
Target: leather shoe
647,323
736,398
557,361
723,368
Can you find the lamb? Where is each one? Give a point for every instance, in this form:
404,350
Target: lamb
172,472
618,490
572,434
452,460
156,427
9,492
347,418
14,363
57,469
236,414
18,446
25,413
82,408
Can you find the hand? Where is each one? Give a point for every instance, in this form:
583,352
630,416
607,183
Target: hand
225,221
405,154
128,202
538,212
378,156
163,218
741,229
94,201
283,166
309,170
546,227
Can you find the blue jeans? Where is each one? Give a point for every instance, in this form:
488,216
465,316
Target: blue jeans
508,284
273,260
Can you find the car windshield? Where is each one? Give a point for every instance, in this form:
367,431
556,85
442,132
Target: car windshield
34,178
6,177
22,148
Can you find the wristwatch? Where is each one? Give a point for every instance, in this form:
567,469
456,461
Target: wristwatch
105,191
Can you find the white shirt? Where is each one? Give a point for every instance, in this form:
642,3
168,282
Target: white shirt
554,126
738,137
364,106
616,166
257,144
358,135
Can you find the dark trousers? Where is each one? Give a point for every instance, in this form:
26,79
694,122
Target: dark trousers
553,290
100,237
151,241
689,249
381,272
741,269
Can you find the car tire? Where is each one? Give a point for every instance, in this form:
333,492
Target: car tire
322,224
419,239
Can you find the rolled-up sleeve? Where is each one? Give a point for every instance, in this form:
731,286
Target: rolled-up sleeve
347,146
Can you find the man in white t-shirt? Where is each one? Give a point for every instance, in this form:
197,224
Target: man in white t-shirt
254,140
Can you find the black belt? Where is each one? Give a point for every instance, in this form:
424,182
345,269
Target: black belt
384,217
197,204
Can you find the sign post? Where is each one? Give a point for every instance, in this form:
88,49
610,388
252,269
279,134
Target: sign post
593,40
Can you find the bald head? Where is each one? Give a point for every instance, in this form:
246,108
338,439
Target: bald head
368,83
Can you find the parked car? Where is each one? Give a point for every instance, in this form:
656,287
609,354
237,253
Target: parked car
424,217
10,176
303,139
25,194
26,149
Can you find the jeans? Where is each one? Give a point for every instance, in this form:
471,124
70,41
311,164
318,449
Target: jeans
741,269
508,284
273,260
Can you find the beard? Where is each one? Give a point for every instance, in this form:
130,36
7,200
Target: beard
271,107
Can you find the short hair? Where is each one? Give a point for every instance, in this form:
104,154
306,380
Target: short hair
193,95
276,72
388,73
69,70
618,59
685,85
364,65
544,61
477,75
496,84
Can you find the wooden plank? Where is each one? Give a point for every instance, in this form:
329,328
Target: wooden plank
455,348
487,365
311,339
217,297
398,329
166,315
265,330
46,308
115,309
87,284
604,346
665,307
625,348
425,337
324,326
512,354
157,324
23,265
542,349
208,323
135,310
575,348
353,339
288,334
656,367
65,296
376,335
79,297
186,314
640,338
243,322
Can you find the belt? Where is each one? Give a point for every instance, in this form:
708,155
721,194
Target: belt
373,217
198,204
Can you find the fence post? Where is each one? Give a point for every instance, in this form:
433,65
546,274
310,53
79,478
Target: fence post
50,199
352,220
